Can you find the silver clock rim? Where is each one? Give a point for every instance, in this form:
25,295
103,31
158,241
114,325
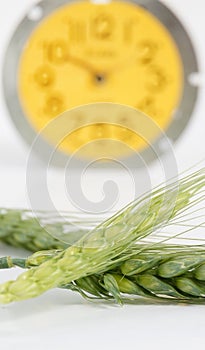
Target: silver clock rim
181,116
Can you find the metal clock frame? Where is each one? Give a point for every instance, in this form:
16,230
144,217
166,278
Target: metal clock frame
181,116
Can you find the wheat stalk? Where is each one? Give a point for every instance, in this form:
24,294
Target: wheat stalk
104,247
163,272
23,228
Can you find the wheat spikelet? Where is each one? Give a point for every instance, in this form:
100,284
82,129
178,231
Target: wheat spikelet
110,243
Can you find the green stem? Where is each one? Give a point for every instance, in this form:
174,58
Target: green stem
104,247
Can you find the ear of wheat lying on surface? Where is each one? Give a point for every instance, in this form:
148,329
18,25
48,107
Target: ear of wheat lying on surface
128,255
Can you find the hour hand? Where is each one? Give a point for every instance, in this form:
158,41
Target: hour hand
77,61
58,53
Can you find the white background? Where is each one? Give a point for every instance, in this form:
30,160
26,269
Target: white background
63,320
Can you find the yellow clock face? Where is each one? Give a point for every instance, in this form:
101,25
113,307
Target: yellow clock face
85,53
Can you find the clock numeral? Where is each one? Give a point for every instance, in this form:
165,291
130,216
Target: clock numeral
44,76
129,30
76,32
102,27
148,106
157,79
146,51
56,51
54,105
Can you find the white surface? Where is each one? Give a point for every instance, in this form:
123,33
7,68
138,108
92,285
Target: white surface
63,320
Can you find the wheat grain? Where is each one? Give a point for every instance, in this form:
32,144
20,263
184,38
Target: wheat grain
104,247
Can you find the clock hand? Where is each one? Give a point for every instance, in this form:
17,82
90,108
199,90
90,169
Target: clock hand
99,75
144,54
81,63
122,65
99,78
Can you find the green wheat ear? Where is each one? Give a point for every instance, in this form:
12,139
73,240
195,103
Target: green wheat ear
184,281
110,242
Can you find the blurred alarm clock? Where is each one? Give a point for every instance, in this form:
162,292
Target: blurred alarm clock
66,54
